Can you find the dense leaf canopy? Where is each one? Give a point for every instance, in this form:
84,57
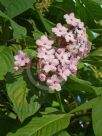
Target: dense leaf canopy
30,108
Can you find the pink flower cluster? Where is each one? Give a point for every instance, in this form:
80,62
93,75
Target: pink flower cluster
59,58
21,60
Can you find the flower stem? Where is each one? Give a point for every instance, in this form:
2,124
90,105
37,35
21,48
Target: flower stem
58,96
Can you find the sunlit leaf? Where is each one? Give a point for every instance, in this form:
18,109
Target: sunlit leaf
97,117
24,105
18,31
16,7
42,126
6,60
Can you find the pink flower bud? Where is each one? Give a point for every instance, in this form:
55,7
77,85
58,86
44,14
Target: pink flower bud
42,77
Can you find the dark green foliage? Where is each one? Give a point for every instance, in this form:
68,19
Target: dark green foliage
29,110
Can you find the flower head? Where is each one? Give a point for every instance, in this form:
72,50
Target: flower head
59,59
21,59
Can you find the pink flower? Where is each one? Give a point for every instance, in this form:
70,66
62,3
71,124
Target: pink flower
16,68
47,68
62,56
59,30
80,34
51,65
70,37
42,77
21,59
73,68
82,48
52,79
73,65
55,86
44,42
80,24
73,48
45,54
64,72
53,83
70,19
60,50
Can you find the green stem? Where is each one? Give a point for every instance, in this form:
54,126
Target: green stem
58,96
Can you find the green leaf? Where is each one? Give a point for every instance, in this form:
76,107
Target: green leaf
98,41
94,8
96,53
18,31
25,99
90,34
5,32
98,90
47,24
62,133
31,53
59,8
95,57
49,110
6,60
85,14
44,126
15,48
16,7
98,1
37,34
75,83
98,30
97,117
6,124
81,11
85,106
59,0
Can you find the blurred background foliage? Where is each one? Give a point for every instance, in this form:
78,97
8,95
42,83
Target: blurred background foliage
26,110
